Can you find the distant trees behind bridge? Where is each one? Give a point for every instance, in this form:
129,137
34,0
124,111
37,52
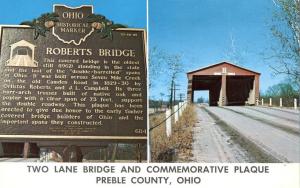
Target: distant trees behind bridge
287,90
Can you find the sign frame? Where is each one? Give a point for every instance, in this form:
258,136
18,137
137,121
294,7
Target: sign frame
130,139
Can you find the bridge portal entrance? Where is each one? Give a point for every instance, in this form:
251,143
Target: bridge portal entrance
227,84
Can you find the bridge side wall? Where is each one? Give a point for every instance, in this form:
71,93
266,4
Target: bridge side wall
190,91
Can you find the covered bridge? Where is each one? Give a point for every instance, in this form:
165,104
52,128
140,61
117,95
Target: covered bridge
228,84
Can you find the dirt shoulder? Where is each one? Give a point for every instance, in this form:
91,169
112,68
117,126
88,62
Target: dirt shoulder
177,147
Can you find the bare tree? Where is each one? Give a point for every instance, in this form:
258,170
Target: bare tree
175,67
161,99
286,29
235,54
156,62
164,68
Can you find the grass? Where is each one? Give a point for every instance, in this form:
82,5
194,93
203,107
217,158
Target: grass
178,147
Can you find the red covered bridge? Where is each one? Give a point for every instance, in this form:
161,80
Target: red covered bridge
228,84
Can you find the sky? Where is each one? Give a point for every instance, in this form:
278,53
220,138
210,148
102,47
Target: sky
200,31
130,12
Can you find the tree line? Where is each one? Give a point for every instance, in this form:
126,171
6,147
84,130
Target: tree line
287,90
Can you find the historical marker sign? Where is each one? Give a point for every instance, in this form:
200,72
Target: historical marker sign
72,20
73,84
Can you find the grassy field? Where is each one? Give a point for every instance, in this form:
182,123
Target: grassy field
178,147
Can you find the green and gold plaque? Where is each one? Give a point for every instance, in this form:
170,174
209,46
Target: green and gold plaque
73,75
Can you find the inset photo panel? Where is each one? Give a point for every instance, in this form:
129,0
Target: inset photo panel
224,81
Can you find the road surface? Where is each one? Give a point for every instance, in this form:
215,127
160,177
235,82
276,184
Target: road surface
279,119
212,144
273,132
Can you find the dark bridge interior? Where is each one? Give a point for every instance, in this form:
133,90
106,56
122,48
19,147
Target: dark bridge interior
211,83
237,88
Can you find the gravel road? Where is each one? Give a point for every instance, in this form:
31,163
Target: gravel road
292,115
279,143
280,120
212,144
